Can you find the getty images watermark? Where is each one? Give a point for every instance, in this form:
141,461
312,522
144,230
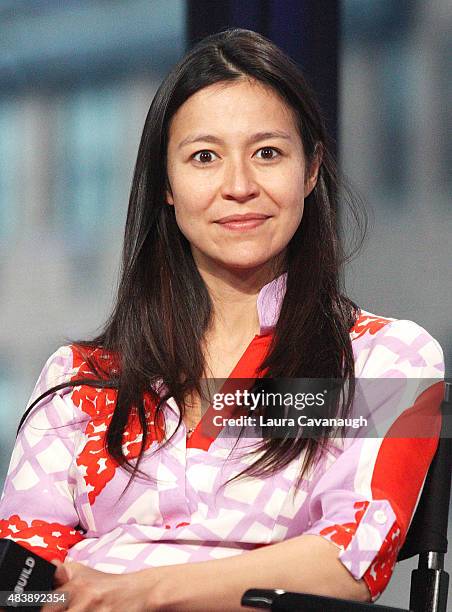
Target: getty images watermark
390,407
252,401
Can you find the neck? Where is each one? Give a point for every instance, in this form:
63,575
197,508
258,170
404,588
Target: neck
234,297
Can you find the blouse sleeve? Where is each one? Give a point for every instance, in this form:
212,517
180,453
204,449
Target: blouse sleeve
37,507
364,502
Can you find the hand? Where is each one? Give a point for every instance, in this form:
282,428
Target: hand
88,589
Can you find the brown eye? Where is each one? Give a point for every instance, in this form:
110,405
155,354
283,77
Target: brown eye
269,153
203,156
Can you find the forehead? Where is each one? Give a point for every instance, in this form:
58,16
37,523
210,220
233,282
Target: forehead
233,106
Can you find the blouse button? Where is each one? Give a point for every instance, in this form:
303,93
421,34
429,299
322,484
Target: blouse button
380,517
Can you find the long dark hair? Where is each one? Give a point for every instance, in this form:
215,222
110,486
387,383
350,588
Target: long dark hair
163,309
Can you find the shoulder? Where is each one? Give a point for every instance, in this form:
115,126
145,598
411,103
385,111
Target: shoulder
92,361
59,373
368,324
385,345
76,361
56,369
69,360
48,401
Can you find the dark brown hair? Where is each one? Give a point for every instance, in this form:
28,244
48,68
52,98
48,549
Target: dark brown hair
163,308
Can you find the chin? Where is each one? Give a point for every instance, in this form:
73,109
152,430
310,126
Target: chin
246,263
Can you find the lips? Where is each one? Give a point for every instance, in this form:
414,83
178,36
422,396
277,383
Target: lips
242,223
243,218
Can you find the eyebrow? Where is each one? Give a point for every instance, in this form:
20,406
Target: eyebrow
253,139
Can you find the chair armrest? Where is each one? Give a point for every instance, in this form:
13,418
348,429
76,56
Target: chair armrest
282,601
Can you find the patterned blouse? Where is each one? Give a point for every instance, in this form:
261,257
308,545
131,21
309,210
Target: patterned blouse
64,496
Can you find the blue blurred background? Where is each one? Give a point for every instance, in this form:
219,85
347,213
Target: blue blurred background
76,80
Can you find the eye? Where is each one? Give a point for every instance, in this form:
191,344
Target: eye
205,156
271,150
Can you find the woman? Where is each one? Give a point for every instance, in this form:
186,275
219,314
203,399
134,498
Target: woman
230,270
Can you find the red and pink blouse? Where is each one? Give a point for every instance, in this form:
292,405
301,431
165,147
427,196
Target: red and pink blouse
64,496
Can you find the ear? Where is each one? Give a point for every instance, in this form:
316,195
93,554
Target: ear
313,170
168,194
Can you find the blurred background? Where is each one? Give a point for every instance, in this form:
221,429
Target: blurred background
76,81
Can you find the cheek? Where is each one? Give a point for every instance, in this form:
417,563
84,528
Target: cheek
287,187
189,182
291,221
185,218
291,208
189,210
189,213
291,202
191,198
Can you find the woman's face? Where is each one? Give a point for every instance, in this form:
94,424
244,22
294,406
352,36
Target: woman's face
237,175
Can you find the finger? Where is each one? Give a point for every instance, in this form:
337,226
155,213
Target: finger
55,607
82,604
59,603
62,575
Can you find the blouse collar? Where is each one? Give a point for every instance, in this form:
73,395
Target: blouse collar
269,302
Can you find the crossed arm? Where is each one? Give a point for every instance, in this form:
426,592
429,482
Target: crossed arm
305,563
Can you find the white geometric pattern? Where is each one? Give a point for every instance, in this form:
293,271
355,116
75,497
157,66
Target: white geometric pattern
130,551
109,568
145,509
46,458
18,453
38,425
293,503
167,555
274,505
202,477
187,515
25,478
244,490
369,537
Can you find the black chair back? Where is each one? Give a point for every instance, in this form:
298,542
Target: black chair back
428,529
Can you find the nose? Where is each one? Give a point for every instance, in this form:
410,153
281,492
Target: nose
239,182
